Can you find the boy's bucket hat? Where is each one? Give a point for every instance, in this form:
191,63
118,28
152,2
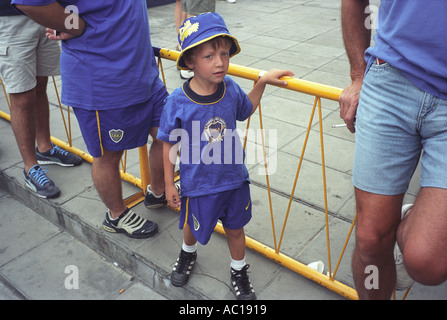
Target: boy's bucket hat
202,28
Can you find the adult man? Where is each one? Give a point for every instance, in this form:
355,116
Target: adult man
27,58
401,111
110,78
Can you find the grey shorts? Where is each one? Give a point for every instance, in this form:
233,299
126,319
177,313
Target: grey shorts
195,7
25,53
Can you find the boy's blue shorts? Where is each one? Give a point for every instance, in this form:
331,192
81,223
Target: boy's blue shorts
122,128
232,208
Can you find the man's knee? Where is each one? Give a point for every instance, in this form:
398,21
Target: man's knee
425,265
372,245
41,86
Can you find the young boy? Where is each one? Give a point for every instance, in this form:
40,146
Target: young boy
202,115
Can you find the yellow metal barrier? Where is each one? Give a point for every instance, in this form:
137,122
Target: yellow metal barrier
310,88
319,91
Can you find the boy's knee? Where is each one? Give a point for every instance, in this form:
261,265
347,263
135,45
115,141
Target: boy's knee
235,233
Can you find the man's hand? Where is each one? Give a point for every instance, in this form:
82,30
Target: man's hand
349,101
55,35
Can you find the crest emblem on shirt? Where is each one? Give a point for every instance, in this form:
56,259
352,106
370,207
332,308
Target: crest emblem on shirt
214,130
116,135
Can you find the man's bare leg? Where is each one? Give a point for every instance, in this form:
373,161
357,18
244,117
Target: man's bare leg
377,220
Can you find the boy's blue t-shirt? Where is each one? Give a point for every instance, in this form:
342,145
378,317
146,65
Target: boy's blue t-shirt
112,64
211,153
411,36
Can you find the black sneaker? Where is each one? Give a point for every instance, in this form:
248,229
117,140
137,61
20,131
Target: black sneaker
151,201
182,268
131,224
241,284
58,156
37,180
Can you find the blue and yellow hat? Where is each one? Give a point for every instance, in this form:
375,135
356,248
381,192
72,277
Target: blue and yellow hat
202,28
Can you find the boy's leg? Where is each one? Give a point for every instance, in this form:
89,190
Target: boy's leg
186,260
239,278
237,216
236,243
188,237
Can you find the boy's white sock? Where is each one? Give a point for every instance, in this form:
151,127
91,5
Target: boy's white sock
237,264
189,249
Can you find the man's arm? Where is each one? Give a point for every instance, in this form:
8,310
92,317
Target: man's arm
357,39
54,16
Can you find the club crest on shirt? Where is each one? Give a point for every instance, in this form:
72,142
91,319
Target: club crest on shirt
116,135
214,130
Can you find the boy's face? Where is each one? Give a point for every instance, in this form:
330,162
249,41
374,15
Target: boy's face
210,63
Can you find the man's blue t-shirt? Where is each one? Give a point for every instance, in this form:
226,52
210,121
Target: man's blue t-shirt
411,36
211,153
112,64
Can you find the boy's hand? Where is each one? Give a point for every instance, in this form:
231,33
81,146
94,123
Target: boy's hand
172,196
272,77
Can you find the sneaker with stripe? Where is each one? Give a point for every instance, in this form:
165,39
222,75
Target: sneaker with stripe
241,284
58,156
37,180
182,268
131,224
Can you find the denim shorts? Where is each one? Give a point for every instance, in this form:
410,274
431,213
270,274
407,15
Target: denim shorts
397,125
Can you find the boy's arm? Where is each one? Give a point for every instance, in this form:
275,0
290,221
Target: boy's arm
171,191
271,77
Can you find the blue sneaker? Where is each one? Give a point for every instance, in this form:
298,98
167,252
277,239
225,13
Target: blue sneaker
152,201
37,180
58,156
